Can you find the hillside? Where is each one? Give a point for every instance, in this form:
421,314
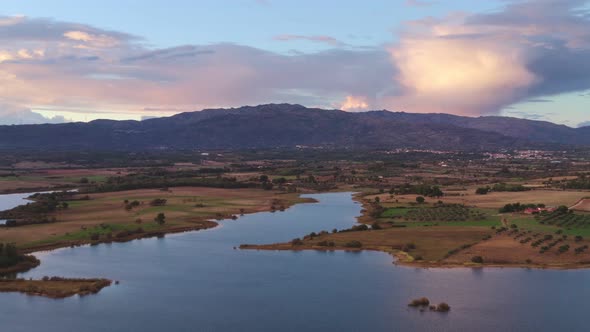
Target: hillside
286,125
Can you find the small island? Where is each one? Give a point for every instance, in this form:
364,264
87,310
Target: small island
54,287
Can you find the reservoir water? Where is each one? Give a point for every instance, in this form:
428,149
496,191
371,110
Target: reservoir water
197,281
9,201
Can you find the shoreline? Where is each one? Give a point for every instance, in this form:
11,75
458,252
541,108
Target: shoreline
55,287
71,244
401,258
205,224
94,285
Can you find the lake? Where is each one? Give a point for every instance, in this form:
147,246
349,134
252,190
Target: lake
197,281
10,201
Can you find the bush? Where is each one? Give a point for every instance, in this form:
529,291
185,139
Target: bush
482,191
296,242
158,202
353,244
326,243
443,307
477,259
421,302
409,246
160,218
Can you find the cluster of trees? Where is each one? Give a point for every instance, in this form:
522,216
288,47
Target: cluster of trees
421,189
158,202
499,187
517,207
42,203
130,205
582,182
265,182
509,187
8,255
135,181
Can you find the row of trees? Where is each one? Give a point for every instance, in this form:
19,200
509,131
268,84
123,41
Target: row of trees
420,189
499,187
517,207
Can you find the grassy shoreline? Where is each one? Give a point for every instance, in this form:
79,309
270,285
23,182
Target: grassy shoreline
229,204
55,287
430,241
402,258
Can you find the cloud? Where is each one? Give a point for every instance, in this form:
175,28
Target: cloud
479,63
318,39
10,114
462,63
104,71
91,40
354,103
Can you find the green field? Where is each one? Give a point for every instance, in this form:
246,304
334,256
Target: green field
102,231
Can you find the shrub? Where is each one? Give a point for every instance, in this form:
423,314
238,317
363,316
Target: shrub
421,302
353,244
443,307
477,259
160,218
158,202
296,242
326,243
409,246
482,191
564,248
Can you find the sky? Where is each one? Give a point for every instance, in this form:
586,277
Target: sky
62,61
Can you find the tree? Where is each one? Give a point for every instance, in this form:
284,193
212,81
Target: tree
477,259
158,202
482,191
263,178
436,192
160,218
420,199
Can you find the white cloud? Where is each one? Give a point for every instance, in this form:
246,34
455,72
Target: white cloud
10,114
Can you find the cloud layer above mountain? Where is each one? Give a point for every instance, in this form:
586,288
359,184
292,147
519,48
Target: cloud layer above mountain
463,63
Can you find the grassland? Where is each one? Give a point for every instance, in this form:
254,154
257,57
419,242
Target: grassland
448,235
54,287
104,218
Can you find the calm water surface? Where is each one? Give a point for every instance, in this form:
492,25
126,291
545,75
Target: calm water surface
198,282
10,201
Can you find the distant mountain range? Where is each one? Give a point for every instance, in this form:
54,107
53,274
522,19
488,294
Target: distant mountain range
287,125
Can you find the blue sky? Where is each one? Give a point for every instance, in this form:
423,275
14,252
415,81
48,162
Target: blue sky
464,57
248,22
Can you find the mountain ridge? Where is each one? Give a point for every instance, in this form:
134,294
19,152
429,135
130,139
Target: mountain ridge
289,125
